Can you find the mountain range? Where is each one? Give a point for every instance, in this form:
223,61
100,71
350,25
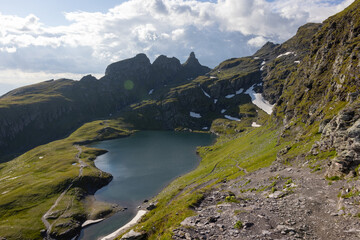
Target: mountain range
288,125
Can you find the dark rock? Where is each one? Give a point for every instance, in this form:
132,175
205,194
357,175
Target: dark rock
192,67
248,225
213,219
151,206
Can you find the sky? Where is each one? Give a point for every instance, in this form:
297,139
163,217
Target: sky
41,40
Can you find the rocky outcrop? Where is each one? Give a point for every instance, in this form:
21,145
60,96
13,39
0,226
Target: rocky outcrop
130,68
132,235
323,92
165,70
328,73
341,134
279,61
192,66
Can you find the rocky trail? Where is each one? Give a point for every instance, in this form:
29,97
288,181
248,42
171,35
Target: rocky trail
278,202
47,215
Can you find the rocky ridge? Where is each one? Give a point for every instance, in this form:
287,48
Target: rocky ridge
223,90
52,109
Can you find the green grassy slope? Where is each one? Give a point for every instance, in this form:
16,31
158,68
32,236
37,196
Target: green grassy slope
31,183
227,159
308,93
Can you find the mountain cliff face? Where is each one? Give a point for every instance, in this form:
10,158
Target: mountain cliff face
42,112
322,95
282,114
223,90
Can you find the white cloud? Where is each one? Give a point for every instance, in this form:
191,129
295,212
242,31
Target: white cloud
214,30
177,34
8,49
311,10
257,41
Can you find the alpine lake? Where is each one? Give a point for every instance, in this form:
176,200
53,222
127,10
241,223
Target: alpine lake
142,165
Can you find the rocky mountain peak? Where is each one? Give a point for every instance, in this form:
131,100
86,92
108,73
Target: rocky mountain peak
141,56
138,63
192,60
165,62
266,49
192,66
88,78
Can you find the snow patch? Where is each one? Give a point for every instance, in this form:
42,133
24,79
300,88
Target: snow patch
258,100
215,101
4,192
205,128
230,96
241,90
130,224
254,124
285,54
256,58
297,62
263,63
151,91
213,77
224,110
232,118
262,68
205,93
195,115
41,157
90,222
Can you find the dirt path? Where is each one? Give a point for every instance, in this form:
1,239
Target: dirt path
45,217
281,203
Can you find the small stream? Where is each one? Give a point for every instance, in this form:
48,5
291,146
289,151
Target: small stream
142,165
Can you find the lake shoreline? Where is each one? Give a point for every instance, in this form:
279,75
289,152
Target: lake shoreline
127,226
174,170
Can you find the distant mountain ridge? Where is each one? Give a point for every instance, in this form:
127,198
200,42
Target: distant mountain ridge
288,121
42,112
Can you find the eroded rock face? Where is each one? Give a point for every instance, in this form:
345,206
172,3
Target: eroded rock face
164,70
342,134
138,64
192,67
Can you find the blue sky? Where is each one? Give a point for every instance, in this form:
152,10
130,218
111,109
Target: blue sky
41,40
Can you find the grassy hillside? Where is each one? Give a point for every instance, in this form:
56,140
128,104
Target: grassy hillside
313,78
31,183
